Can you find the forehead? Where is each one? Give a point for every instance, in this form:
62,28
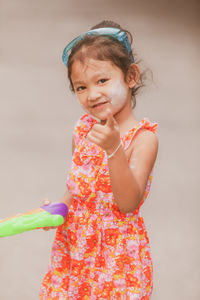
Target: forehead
93,67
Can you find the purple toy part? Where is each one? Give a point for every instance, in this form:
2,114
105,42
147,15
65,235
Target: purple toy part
56,209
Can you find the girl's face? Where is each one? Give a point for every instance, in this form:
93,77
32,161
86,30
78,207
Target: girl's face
98,85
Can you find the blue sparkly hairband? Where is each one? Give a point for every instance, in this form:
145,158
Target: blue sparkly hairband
117,33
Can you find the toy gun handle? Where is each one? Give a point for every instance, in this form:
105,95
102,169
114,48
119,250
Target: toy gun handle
51,215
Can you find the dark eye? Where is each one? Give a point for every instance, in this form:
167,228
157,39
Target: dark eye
103,80
80,88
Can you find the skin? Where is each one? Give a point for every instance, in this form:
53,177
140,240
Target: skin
116,96
101,82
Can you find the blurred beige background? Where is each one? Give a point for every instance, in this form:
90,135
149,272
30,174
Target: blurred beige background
38,113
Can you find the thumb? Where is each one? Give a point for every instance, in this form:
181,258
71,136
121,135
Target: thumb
110,121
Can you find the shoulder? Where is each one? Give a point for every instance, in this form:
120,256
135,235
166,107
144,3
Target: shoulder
142,138
146,136
146,141
145,147
144,150
82,127
85,121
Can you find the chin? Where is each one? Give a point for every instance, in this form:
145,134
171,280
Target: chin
99,117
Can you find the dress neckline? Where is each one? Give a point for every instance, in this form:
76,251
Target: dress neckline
139,124
128,136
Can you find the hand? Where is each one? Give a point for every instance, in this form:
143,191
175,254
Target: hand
106,136
47,202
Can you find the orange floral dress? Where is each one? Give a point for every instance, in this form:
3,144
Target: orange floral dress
99,252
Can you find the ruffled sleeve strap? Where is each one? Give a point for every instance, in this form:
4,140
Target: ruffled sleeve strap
143,124
82,127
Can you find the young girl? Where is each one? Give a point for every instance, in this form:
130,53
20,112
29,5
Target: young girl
102,249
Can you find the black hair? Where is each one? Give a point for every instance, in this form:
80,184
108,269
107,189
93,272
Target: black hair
106,48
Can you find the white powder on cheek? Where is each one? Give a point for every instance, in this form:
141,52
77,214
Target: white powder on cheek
118,95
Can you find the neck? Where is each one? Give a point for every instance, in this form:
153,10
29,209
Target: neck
126,118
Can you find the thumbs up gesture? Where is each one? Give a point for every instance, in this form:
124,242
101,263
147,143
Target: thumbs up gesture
107,135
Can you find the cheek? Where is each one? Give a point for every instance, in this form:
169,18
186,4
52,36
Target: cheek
81,101
118,95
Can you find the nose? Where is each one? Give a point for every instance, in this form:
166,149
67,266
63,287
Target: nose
93,94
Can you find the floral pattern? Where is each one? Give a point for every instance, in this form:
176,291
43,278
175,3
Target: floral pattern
99,252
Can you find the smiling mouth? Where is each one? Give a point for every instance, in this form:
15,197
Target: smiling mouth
99,104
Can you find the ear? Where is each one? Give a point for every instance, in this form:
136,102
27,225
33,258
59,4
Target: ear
133,75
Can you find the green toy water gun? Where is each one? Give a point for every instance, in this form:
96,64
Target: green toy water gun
51,215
